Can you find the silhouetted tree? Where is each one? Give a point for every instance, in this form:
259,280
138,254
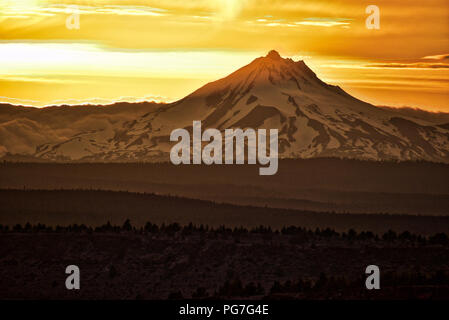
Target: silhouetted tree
127,225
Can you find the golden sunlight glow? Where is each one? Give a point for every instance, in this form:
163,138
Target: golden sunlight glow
230,8
136,49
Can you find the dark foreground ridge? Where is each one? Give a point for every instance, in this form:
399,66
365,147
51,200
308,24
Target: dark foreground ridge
200,262
319,185
95,207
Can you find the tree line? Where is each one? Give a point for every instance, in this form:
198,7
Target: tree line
297,235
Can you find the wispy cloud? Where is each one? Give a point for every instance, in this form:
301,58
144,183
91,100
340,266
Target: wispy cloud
42,79
388,65
324,22
439,61
437,57
409,65
49,10
269,21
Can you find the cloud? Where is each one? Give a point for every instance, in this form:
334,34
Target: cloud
409,65
39,79
269,21
272,23
437,57
434,62
13,11
324,22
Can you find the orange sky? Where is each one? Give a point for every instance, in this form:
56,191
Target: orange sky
164,49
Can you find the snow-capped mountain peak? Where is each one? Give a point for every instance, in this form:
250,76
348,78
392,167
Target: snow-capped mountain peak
314,119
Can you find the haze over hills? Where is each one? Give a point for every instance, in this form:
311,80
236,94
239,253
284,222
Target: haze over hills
314,119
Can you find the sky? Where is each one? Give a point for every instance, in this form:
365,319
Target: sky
163,50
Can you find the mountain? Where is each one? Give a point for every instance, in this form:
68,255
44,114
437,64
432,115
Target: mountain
314,119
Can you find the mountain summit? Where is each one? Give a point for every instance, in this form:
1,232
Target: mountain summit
314,119
273,54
